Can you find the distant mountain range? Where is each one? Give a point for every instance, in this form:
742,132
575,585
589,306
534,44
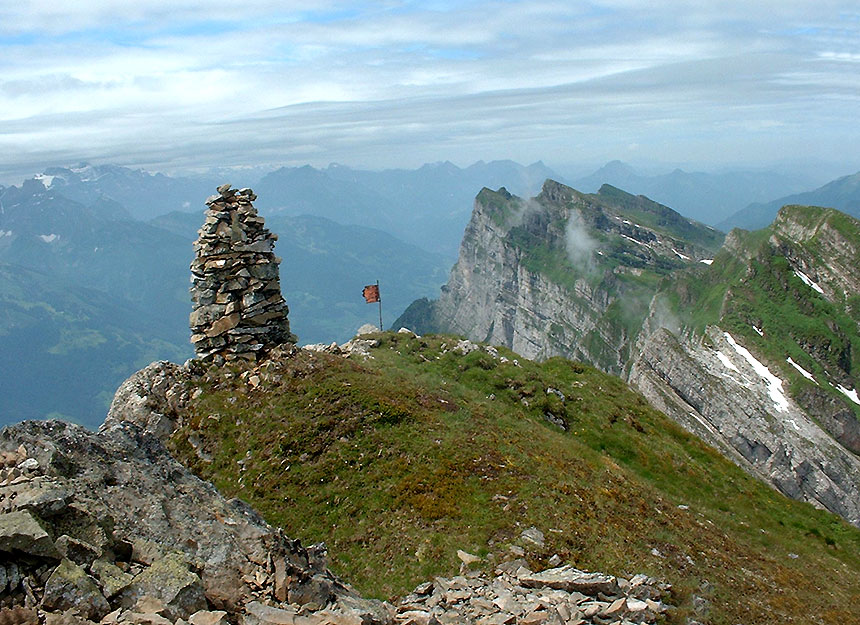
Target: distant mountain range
428,207
842,194
706,197
142,194
94,262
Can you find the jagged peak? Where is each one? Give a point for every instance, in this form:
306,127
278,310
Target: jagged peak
803,223
557,192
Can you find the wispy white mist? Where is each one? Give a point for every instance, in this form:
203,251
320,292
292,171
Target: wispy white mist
661,316
579,244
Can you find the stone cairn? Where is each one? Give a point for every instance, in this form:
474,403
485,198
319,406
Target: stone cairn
238,312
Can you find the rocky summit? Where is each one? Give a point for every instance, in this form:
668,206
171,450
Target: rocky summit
238,310
110,528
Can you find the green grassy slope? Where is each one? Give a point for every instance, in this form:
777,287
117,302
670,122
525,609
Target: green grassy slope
398,461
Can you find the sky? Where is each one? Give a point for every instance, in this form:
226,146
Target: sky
191,84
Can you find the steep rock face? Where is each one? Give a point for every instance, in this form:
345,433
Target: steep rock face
786,298
564,273
521,308
714,391
823,244
580,276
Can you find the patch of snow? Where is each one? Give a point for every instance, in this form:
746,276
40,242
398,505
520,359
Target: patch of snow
85,172
803,371
774,384
760,333
680,255
808,281
707,261
726,361
49,238
850,394
634,240
46,180
794,424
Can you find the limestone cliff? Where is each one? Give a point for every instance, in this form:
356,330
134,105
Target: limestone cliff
564,273
709,336
767,367
714,390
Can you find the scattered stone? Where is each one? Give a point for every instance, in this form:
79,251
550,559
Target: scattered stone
534,536
561,596
78,551
20,531
18,615
169,545
467,558
570,579
205,617
170,581
465,347
111,578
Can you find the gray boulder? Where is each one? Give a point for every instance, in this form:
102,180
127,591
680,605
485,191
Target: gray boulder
69,587
170,581
21,531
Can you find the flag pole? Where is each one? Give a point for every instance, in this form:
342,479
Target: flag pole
381,328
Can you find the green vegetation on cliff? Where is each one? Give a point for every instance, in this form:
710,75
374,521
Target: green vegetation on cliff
399,460
754,290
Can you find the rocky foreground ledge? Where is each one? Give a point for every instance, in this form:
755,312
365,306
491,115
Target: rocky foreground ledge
109,528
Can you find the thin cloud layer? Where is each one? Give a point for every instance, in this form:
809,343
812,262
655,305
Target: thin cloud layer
195,83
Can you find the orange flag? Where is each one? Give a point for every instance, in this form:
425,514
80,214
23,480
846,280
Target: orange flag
371,293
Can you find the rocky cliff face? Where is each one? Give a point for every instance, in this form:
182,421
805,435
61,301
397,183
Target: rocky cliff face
709,337
772,377
565,273
714,388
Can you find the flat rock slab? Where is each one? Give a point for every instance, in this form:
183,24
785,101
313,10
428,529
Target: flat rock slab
570,579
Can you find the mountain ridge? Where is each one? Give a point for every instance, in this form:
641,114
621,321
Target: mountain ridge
707,197
399,450
842,194
743,320
563,246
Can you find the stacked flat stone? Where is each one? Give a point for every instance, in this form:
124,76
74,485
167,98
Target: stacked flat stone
238,311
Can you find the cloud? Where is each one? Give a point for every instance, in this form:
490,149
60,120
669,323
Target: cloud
380,83
579,245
